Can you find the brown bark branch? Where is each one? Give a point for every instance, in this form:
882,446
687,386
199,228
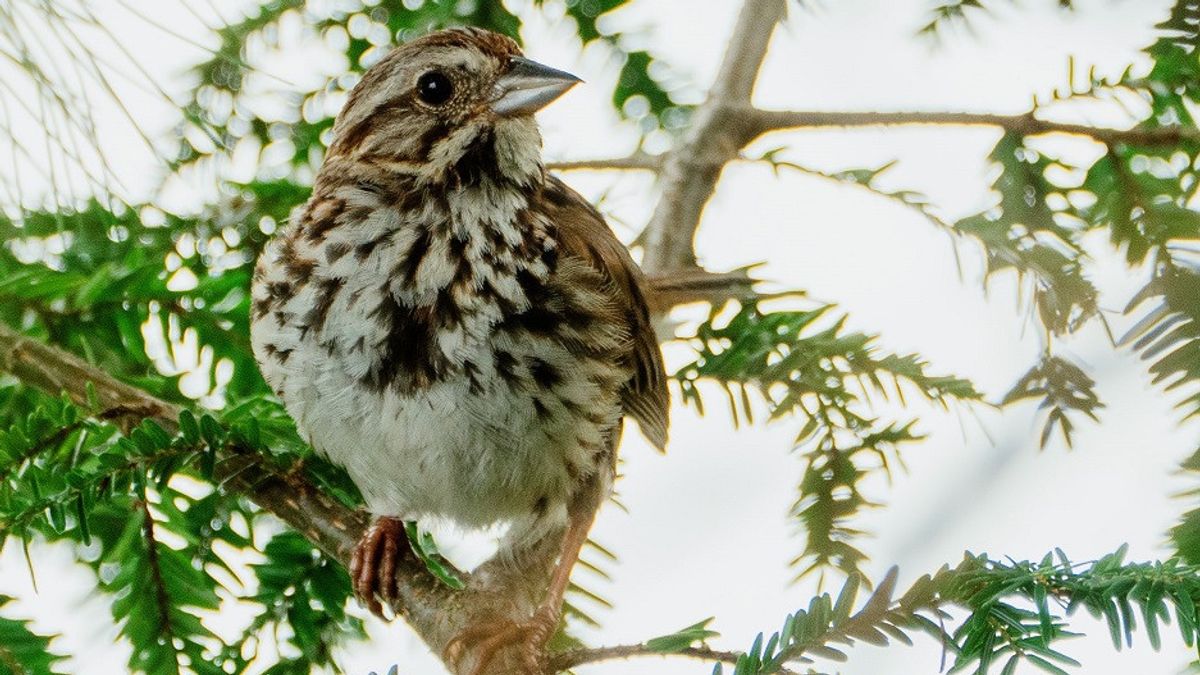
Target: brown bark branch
714,139
766,121
756,122
638,161
671,289
579,657
434,611
723,128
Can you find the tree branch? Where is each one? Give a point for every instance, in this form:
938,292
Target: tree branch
638,161
434,611
714,138
727,121
697,285
757,122
579,657
766,121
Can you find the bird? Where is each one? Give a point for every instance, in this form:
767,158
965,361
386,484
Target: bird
452,324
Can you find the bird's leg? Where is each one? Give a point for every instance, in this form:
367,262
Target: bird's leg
487,639
373,564
550,610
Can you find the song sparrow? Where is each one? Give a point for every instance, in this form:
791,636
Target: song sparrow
458,329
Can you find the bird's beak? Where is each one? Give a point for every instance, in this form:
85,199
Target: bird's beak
529,86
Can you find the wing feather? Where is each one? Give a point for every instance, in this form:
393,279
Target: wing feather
584,234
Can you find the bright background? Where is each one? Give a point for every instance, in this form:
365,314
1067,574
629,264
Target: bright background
706,532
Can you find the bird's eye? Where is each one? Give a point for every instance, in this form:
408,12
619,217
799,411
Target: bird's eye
434,88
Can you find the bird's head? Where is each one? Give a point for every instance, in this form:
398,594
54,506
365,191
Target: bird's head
450,105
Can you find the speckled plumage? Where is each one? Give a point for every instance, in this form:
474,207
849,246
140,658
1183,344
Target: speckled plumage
459,330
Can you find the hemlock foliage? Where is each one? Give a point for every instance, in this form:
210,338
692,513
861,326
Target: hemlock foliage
159,300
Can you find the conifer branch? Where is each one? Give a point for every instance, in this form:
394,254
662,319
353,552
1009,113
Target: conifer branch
162,598
579,657
433,611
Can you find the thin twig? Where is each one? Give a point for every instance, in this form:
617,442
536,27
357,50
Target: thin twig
766,121
697,285
162,599
578,657
638,161
755,122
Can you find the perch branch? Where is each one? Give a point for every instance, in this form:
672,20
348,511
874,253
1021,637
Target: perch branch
434,611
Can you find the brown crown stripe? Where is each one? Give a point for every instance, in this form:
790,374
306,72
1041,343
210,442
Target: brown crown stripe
352,137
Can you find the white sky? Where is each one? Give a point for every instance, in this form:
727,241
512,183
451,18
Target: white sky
706,533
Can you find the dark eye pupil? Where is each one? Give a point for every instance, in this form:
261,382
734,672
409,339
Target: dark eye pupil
434,88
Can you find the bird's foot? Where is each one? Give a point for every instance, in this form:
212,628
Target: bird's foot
373,564
485,640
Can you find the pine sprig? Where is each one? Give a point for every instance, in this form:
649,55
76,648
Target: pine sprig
803,364
791,357
808,633
88,492
868,179
107,299
58,480
1023,234
1140,196
1063,387
1185,535
1011,612
157,596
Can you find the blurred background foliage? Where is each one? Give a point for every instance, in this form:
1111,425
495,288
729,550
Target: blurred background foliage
159,299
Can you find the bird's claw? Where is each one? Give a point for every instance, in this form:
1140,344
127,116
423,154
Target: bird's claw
485,640
373,564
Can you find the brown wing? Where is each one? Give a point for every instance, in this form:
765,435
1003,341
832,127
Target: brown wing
584,234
